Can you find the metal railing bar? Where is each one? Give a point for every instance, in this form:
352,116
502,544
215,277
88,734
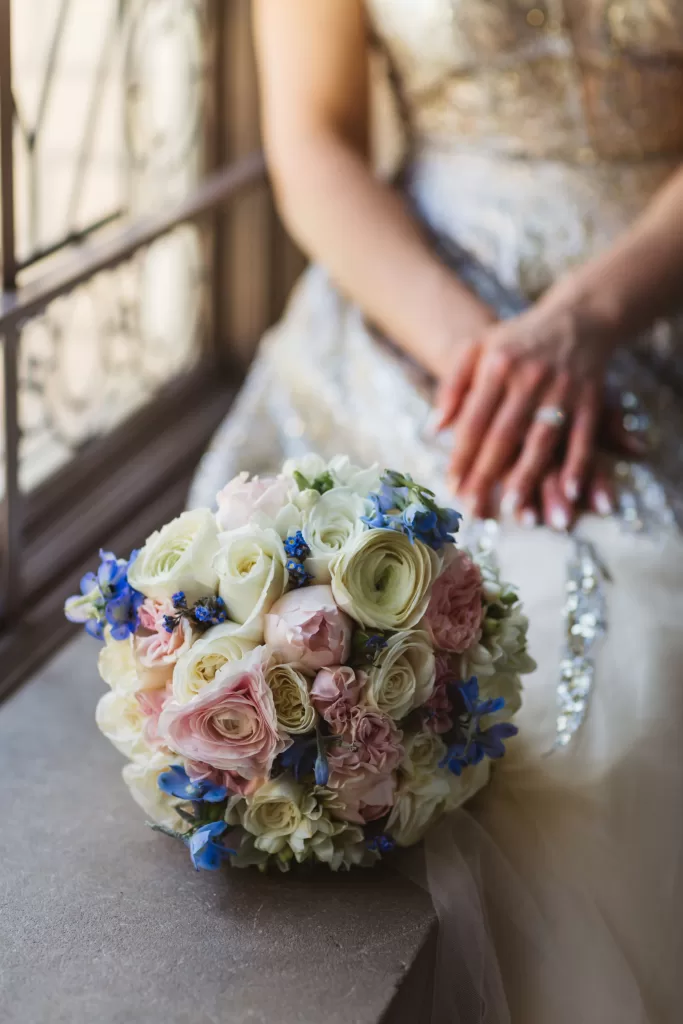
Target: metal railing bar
215,190
12,524
9,269
73,238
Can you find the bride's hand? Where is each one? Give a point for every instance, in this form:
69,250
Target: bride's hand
554,355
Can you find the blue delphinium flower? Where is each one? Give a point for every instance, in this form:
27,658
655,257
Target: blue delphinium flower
300,757
107,599
206,853
403,505
382,843
176,782
472,743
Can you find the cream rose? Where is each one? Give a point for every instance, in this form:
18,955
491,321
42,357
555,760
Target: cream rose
272,814
403,676
121,718
383,580
142,781
179,557
333,523
197,667
295,713
423,753
417,806
252,573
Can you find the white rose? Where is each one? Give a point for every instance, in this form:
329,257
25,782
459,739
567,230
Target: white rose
272,814
142,781
464,786
403,676
197,667
417,806
120,718
334,521
252,572
117,664
381,579
423,753
295,713
268,502
179,557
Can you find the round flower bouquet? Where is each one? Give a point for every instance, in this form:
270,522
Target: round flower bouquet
314,673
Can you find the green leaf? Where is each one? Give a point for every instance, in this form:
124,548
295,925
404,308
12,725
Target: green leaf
301,481
323,483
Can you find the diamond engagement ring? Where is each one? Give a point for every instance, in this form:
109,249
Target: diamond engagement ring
551,415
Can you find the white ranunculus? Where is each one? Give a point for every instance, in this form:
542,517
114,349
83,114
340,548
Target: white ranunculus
179,557
423,753
142,780
334,521
197,667
117,664
295,713
381,579
403,675
272,814
121,718
417,806
252,571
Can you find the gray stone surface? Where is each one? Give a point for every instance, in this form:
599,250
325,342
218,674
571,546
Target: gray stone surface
102,920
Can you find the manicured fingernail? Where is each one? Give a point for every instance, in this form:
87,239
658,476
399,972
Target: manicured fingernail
528,518
571,490
455,482
558,518
603,503
509,503
432,427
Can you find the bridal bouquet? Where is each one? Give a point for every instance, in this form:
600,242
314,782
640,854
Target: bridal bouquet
314,673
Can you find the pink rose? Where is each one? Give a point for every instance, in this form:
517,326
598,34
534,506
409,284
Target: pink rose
242,500
364,798
334,693
152,704
455,609
307,629
231,724
371,743
233,782
156,649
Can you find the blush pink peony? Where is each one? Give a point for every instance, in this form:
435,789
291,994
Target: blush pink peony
308,630
231,724
334,693
241,499
366,797
455,610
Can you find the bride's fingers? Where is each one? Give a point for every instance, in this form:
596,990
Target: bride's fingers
476,413
496,452
581,440
453,388
558,513
539,447
601,493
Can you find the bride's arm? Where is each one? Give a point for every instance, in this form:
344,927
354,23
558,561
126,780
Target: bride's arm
312,57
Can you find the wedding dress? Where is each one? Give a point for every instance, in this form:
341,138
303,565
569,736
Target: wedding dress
536,131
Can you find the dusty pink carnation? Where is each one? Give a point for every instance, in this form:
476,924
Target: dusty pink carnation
307,629
242,500
455,610
334,693
231,724
371,743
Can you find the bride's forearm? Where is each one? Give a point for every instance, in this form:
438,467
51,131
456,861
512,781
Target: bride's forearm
362,232
640,278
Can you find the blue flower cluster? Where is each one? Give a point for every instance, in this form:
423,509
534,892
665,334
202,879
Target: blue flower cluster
206,852
409,508
307,756
381,844
207,612
297,551
176,782
472,743
107,599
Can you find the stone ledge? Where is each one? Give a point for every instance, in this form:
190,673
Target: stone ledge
103,920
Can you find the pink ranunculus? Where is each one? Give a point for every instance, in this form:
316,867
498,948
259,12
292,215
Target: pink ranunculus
371,743
152,704
308,630
455,611
157,649
366,797
334,693
233,782
231,724
242,499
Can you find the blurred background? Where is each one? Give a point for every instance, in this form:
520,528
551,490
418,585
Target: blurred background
142,260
